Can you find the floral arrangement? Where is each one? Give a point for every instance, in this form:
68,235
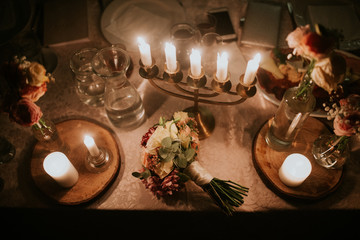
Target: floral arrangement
23,84
327,69
170,158
346,119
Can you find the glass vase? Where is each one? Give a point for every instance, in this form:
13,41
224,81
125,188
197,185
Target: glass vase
123,104
46,133
331,151
296,105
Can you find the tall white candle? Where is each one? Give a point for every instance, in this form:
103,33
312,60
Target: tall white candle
170,55
145,53
58,166
91,146
294,170
195,63
222,67
251,69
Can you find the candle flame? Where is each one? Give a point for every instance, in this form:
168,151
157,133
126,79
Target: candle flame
88,141
141,41
257,58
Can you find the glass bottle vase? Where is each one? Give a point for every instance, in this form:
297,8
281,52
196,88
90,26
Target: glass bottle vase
331,151
296,105
46,133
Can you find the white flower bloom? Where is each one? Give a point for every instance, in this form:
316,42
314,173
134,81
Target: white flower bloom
181,115
156,138
171,126
164,169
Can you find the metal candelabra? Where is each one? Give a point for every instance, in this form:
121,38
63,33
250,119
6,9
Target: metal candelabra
189,90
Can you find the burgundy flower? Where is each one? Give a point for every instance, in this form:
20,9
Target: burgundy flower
317,45
25,112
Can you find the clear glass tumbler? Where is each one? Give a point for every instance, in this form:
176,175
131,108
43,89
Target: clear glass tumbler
123,103
89,87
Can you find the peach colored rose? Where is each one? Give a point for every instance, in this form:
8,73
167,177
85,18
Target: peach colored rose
25,112
346,126
36,74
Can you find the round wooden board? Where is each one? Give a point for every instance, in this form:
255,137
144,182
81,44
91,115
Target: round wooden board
89,184
267,162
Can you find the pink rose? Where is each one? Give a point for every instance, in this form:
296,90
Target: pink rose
32,92
295,37
25,112
345,126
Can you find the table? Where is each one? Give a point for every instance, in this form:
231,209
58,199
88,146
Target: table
226,154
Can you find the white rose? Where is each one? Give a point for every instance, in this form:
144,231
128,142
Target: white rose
164,169
171,126
156,138
181,115
328,72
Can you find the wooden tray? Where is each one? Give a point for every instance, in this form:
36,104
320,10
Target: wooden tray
89,184
267,162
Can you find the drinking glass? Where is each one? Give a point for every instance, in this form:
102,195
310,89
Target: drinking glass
89,87
184,37
123,103
211,44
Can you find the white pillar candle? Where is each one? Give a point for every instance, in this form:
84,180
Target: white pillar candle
145,53
294,170
58,166
91,146
251,69
222,67
195,63
170,55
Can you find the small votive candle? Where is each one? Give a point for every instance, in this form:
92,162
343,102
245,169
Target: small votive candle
58,166
195,63
145,53
170,55
294,170
251,70
222,67
91,146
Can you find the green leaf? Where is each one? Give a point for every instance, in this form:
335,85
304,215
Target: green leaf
189,154
169,157
180,161
166,142
175,146
142,175
163,152
136,174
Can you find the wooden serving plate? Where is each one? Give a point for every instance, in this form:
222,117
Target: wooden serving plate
89,184
268,161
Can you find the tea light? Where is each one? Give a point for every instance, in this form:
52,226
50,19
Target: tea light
145,53
195,63
58,166
222,67
170,55
91,146
294,170
251,69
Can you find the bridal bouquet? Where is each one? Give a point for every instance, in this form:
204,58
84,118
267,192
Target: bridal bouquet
170,158
22,84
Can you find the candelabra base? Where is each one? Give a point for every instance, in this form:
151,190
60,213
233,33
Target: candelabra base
99,163
205,120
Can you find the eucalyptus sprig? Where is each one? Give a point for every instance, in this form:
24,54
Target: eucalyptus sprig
172,150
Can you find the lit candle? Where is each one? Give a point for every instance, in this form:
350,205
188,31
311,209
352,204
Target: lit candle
91,146
222,67
251,69
145,54
58,166
294,170
195,63
170,55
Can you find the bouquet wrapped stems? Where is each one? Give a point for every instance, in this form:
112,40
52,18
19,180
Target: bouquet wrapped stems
225,193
